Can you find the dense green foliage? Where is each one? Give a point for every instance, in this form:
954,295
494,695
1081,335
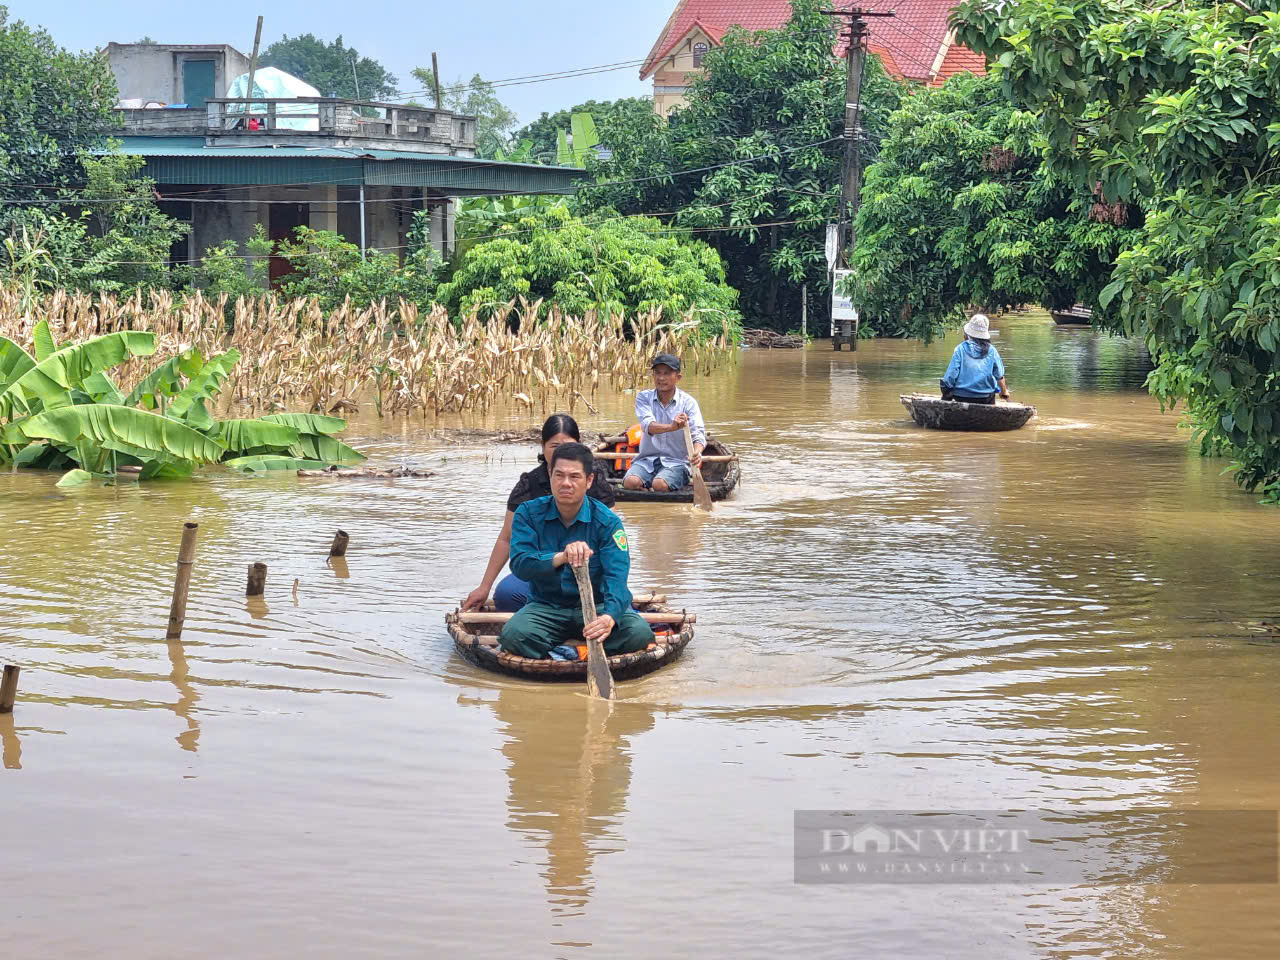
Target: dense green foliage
59,410
1176,108
623,266
53,105
613,118
958,211
115,242
775,95
332,68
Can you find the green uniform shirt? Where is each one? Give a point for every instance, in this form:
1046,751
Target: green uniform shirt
537,535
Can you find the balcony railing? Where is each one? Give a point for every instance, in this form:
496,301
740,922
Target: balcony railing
320,117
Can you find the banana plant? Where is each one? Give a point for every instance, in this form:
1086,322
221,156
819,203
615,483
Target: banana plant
60,410
585,137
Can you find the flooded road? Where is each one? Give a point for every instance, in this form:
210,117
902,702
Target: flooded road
1064,617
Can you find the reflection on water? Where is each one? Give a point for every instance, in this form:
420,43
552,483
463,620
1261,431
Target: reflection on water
1058,618
568,769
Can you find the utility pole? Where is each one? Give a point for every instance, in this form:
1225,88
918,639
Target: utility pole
851,169
253,68
435,76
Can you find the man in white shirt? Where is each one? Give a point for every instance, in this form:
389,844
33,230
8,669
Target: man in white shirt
662,463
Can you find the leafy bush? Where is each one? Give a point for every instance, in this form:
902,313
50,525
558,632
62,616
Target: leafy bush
621,266
329,269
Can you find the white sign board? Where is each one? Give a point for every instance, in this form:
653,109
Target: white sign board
833,244
841,306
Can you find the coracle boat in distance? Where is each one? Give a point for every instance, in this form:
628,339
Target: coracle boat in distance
721,475
1077,315
475,637
938,414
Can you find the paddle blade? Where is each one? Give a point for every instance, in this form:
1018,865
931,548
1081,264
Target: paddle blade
701,495
599,679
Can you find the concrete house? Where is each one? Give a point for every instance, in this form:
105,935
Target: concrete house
361,168
916,45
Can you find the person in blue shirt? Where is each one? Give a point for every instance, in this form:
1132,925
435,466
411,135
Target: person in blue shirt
548,536
976,371
663,462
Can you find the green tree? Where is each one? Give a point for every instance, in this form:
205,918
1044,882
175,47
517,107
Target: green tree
958,210
612,118
776,95
622,266
494,120
1175,108
332,68
114,240
53,105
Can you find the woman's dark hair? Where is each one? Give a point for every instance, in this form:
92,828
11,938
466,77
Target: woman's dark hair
983,345
559,423
575,452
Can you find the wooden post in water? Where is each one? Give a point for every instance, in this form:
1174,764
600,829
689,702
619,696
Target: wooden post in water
257,580
9,688
186,557
339,547
804,311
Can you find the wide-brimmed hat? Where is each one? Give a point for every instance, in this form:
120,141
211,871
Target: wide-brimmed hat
978,327
666,360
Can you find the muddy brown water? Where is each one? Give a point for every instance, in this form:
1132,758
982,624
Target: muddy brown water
1064,617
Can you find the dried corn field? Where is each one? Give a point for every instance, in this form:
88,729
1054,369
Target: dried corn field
295,357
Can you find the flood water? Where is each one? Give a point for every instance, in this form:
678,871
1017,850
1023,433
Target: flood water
1063,617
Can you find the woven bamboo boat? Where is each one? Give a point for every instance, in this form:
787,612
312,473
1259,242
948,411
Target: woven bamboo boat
478,643
721,477
938,414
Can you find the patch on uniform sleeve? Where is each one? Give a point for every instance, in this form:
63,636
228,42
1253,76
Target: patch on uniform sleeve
620,538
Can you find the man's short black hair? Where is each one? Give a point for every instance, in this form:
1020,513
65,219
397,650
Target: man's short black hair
576,452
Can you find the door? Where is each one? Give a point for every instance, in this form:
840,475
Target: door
284,219
197,82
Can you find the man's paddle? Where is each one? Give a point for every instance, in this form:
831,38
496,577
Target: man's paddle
599,679
701,495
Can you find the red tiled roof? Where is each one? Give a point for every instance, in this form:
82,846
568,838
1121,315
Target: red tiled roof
909,41
957,60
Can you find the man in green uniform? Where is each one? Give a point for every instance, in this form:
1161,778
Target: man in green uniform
548,536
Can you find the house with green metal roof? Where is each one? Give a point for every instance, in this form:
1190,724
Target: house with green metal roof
361,168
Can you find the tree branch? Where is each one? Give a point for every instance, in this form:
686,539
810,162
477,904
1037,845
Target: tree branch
1243,6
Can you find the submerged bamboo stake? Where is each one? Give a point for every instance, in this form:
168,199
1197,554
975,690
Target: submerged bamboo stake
186,557
257,585
9,688
339,547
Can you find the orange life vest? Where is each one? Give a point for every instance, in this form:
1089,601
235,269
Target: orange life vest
630,445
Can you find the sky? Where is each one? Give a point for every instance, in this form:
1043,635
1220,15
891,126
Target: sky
498,39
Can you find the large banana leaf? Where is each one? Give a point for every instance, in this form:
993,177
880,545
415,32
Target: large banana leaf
165,380
48,384
11,433
203,386
75,478
108,423
261,464
14,362
328,449
43,456
167,470
309,422
241,435
42,337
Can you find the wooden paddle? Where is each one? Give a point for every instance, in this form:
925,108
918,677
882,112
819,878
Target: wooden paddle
701,495
599,679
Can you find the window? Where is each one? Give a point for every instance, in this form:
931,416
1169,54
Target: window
699,51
